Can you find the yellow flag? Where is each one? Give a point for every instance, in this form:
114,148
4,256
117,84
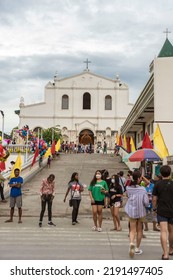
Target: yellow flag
125,142
48,153
18,164
159,143
117,139
133,149
57,146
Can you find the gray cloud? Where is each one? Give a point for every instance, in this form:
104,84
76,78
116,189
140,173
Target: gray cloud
39,38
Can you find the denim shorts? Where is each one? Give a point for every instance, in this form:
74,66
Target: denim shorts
164,219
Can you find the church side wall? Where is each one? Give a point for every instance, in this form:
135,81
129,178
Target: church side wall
163,96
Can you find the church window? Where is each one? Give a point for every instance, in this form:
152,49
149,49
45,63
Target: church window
108,102
86,101
65,101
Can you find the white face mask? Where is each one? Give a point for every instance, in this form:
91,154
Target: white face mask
113,180
98,176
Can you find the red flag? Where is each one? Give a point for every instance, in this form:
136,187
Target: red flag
120,143
35,156
2,165
53,148
128,145
146,143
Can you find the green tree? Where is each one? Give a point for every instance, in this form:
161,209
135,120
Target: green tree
51,134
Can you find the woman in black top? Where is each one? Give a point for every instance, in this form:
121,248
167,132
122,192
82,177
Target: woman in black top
105,177
116,193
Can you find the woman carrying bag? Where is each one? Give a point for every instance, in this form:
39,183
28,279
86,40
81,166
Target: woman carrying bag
76,188
47,193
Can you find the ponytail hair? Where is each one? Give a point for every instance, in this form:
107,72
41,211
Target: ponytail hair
136,176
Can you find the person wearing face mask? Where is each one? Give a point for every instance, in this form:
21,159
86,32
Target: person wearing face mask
116,194
97,190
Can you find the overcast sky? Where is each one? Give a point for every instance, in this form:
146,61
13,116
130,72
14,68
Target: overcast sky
42,37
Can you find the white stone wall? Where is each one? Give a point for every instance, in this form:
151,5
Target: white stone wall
163,98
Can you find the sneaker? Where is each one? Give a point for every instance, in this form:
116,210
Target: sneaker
99,229
40,224
138,251
131,250
51,224
76,222
73,223
94,228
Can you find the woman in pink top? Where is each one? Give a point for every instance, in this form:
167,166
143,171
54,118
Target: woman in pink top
47,193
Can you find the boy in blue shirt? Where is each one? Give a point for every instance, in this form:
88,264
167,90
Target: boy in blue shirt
15,184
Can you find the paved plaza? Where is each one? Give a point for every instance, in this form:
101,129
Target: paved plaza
28,241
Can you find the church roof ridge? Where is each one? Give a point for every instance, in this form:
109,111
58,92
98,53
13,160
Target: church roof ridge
167,49
87,72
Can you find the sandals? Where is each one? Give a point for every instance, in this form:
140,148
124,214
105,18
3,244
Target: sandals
119,229
163,258
131,250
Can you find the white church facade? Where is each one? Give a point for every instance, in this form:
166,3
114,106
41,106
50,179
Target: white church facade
88,108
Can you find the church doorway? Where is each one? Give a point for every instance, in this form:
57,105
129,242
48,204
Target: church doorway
86,137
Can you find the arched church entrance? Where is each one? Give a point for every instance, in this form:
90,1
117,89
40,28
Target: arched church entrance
86,137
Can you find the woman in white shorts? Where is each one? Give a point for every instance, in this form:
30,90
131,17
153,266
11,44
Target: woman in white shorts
116,194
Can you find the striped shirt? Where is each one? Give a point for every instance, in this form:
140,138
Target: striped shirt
47,188
137,201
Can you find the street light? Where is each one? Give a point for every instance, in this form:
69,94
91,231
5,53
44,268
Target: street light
2,113
53,130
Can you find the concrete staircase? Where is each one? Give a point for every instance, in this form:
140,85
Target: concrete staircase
63,166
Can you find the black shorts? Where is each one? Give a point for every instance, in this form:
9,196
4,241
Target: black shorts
98,202
164,219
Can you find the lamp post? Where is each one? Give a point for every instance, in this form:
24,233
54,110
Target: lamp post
2,113
53,131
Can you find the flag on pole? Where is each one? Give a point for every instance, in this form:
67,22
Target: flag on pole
128,145
133,149
125,142
159,143
117,139
120,142
18,164
48,153
146,143
53,148
57,146
35,156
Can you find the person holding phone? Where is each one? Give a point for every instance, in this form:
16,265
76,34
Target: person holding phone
97,190
76,188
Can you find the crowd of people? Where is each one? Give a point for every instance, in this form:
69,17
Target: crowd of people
146,200
71,147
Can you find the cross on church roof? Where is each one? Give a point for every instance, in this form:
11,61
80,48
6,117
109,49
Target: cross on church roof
167,32
87,62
